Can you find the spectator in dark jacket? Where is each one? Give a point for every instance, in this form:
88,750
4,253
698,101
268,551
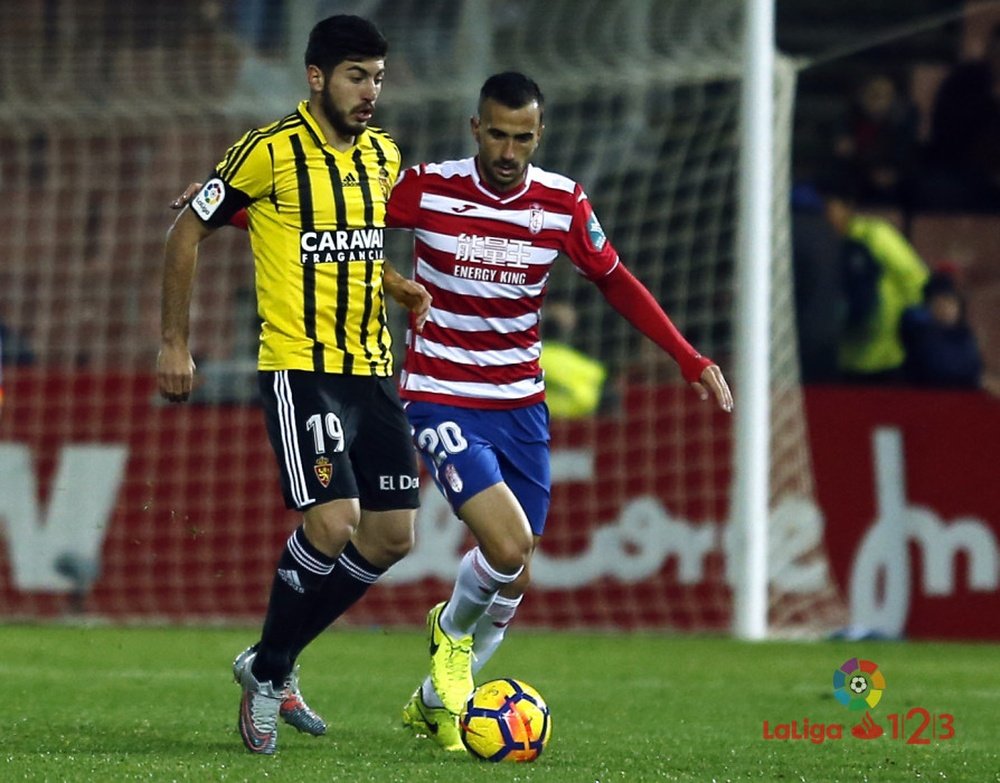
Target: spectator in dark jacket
876,141
963,156
941,348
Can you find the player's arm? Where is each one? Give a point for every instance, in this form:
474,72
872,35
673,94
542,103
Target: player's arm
634,301
408,293
174,365
239,218
401,212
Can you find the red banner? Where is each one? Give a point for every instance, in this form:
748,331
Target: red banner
120,505
116,504
909,485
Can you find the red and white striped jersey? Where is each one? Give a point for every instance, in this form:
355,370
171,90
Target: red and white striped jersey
485,257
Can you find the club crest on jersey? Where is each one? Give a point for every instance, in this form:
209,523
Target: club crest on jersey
597,238
536,219
384,183
324,471
453,479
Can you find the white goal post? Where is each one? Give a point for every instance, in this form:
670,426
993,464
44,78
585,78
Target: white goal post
753,338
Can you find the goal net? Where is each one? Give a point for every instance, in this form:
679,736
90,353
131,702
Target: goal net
114,504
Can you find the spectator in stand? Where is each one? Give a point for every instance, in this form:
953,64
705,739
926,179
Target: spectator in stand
261,23
574,382
14,349
876,140
963,155
881,275
941,348
819,305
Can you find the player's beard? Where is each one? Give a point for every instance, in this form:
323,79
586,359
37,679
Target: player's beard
339,119
505,178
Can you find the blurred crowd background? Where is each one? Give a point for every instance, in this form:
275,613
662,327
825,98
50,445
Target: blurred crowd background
896,133
107,109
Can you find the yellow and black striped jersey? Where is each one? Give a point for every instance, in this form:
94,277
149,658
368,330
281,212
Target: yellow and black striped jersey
316,218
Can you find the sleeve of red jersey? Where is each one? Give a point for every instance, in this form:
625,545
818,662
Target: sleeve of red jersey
239,219
404,201
634,301
597,260
586,245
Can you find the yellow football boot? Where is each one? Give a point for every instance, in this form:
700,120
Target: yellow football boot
434,722
451,663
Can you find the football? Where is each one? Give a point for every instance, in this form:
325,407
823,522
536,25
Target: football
505,720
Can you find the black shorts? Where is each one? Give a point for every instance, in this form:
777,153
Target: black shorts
340,436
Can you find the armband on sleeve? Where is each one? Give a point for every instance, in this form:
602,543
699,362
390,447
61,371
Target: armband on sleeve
216,203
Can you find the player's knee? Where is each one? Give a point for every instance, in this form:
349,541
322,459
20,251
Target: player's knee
397,545
329,533
509,555
332,538
520,585
385,539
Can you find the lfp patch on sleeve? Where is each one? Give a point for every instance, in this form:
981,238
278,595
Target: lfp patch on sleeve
209,198
597,238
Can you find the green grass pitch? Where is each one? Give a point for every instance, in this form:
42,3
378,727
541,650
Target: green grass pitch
122,704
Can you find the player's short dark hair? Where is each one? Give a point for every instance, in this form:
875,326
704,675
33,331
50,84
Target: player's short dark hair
343,37
511,89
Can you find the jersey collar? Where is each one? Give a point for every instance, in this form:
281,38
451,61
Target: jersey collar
507,196
317,133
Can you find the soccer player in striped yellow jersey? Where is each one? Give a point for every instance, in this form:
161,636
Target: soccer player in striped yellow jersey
314,186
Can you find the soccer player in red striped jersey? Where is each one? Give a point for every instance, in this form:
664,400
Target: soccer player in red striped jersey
487,230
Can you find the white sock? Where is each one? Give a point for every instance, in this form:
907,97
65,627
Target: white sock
491,629
475,588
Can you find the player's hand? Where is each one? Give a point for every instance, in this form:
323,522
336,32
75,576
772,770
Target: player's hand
410,294
175,372
713,382
181,201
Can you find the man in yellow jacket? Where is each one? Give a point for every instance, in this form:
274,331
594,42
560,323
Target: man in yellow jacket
574,382
883,275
